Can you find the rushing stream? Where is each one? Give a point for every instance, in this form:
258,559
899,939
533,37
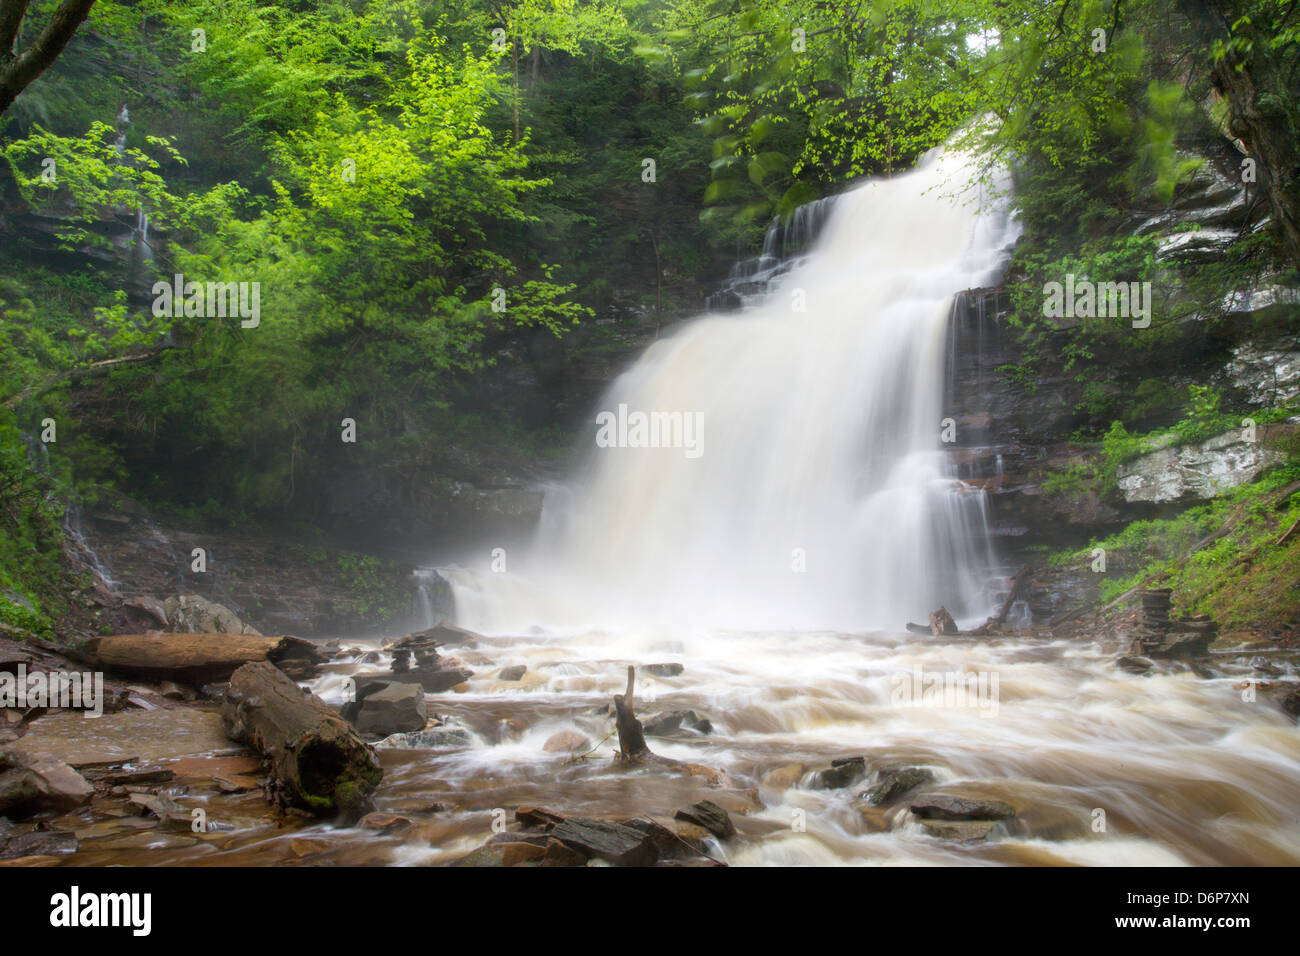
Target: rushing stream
778,566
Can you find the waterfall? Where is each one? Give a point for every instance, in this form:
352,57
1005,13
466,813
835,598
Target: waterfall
819,494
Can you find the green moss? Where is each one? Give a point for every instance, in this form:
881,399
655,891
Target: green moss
1243,580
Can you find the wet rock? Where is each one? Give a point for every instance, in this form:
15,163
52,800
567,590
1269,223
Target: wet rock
965,831
435,738
842,773
668,843
662,670
163,807
1182,641
948,806
18,789
385,822
1134,665
538,817
710,816
513,673
503,854
566,741
173,691
559,853
894,783
38,843
58,786
611,842
394,709
434,679
234,785
783,778
676,723
941,623
445,633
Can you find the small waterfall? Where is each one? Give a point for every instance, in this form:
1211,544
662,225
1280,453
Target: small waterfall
784,246
433,601
821,495
72,529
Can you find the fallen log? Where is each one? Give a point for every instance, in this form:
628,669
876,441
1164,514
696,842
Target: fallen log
198,658
317,761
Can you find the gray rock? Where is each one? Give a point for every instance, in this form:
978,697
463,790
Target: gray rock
949,806
1196,472
58,786
612,842
512,673
396,708
192,614
435,738
662,670
894,783
433,679
841,773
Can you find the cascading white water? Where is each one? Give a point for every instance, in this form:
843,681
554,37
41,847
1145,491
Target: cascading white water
819,494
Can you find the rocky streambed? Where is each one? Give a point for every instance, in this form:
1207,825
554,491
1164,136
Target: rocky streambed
768,747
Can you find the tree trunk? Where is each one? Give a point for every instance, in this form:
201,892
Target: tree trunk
18,70
318,762
197,658
1262,111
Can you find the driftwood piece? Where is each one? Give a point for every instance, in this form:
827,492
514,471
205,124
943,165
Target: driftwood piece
318,762
197,658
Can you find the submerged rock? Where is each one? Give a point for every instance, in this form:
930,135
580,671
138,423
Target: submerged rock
895,782
841,773
676,723
662,670
512,673
566,741
951,806
435,738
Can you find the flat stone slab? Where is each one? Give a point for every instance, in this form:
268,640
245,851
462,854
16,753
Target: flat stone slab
146,734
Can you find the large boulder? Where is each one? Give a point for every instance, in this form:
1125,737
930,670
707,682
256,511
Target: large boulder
30,783
393,709
1185,473
611,842
192,614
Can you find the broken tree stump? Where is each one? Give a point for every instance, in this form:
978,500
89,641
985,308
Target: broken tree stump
631,735
318,762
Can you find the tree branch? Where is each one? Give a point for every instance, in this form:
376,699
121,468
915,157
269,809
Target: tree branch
19,71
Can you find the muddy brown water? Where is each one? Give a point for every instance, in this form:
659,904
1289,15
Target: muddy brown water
1102,766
